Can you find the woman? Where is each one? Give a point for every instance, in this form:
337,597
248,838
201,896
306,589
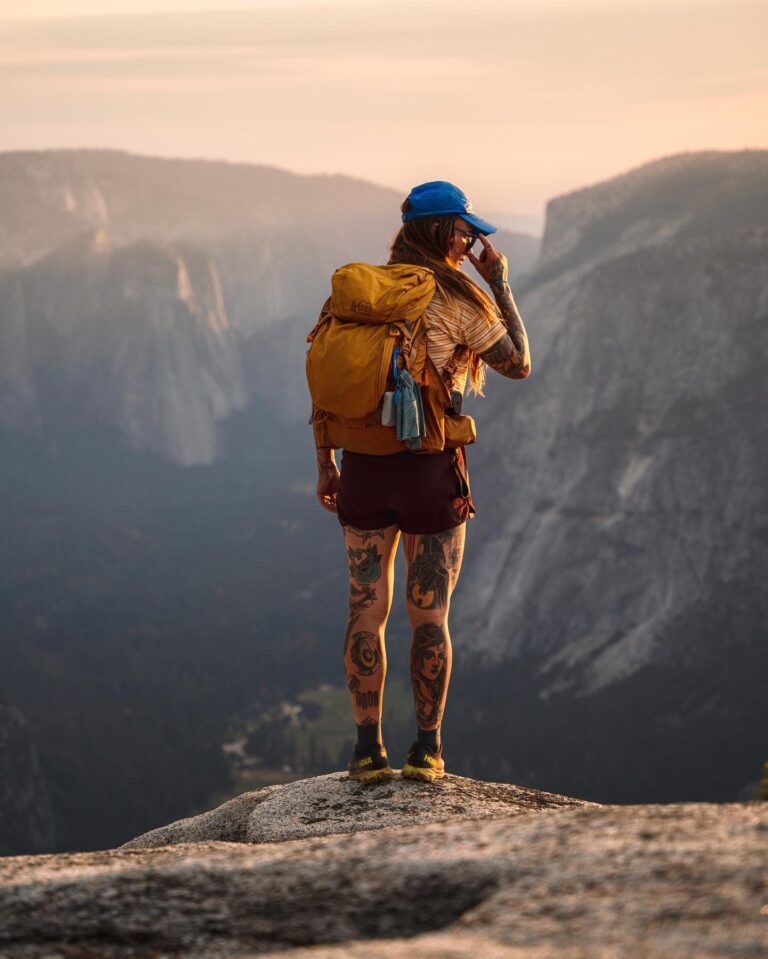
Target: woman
379,497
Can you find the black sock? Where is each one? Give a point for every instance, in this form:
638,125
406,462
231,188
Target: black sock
368,736
429,737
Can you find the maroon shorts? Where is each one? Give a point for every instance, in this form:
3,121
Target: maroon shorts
420,492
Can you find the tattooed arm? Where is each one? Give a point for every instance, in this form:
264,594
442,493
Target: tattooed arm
509,355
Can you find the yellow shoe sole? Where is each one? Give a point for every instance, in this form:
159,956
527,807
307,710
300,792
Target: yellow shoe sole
369,776
425,775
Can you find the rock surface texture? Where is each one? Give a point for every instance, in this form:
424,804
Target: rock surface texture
327,805
538,877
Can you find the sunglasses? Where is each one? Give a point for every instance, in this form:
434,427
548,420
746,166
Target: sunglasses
469,238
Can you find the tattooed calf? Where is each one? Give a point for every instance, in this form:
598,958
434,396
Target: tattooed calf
368,699
364,652
428,673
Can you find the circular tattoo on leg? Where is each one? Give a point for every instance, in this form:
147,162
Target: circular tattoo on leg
364,651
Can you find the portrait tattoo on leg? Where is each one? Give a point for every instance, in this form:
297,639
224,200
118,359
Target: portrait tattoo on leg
364,652
428,672
428,573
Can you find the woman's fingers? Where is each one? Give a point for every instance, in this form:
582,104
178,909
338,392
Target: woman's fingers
327,487
490,253
488,246
489,257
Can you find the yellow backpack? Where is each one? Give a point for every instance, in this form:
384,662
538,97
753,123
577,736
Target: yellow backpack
373,310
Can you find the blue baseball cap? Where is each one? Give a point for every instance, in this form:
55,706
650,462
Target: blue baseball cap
440,196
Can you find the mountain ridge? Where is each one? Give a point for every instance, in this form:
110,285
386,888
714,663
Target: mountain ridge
96,232
677,195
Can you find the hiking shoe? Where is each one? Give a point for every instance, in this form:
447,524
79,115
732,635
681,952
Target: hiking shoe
424,763
370,765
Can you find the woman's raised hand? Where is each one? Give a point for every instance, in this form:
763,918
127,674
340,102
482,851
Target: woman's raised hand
491,264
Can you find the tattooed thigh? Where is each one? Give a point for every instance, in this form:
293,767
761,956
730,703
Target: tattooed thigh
434,562
370,558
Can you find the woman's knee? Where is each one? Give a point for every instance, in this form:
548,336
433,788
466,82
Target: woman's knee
418,615
372,610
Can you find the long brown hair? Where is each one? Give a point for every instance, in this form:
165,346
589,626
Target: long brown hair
425,241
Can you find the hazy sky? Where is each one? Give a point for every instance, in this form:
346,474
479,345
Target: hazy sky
515,101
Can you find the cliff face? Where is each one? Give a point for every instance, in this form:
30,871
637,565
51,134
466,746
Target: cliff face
637,456
619,553
136,338
51,197
131,286
26,821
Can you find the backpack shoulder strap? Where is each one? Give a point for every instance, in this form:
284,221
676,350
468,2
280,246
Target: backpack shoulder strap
412,332
460,353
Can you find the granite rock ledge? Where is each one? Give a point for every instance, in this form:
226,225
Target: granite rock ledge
506,873
331,804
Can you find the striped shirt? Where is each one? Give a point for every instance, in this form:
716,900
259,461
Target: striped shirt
454,322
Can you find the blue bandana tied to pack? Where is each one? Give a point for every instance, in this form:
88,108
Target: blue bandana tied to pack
409,412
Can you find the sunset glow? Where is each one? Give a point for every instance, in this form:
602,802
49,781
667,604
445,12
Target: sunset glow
518,102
